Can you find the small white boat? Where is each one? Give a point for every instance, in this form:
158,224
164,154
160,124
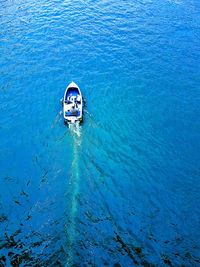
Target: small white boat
73,104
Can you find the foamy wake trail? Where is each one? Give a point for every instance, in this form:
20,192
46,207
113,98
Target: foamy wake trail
75,133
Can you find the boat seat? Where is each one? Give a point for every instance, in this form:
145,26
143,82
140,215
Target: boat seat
78,99
71,98
73,113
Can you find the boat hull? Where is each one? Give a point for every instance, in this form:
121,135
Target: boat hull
73,104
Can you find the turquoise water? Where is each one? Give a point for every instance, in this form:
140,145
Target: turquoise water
123,188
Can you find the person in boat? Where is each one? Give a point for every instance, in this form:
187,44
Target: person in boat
77,101
73,109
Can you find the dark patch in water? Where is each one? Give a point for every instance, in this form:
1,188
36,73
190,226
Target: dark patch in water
136,250
9,242
42,169
20,258
125,248
23,193
17,202
28,217
167,260
2,261
3,218
15,259
44,176
96,220
37,244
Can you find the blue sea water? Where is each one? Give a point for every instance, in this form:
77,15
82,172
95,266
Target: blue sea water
123,188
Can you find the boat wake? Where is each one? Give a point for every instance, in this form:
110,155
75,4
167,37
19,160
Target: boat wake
75,134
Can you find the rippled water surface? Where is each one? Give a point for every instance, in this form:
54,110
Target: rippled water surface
123,188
